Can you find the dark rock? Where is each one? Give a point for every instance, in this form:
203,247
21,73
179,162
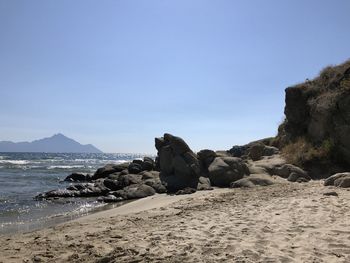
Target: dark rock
256,151
175,182
148,164
114,176
223,154
331,193
270,150
166,159
159,143
112,184
78,177
156,184
96,189
149,175
177,144
57,193
135,168
125,171
109,169
137,161
225,170
238,151
186,191
253,180
77,187
206,157
135,191
291,172
179,166
339,180
110,199
204,184
297,177
122,181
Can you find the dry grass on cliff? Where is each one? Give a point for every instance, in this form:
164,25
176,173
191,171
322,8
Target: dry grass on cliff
334,77
302,151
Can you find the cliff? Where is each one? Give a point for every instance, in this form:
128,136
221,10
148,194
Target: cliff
316,131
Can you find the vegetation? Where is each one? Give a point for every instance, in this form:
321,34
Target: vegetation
302,151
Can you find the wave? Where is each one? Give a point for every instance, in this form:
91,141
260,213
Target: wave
51,167
18,162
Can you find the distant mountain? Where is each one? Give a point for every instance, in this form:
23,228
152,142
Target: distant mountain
54,144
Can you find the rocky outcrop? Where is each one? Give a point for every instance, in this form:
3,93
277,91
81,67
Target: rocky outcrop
339,180
318,112
179,165
108,169
78,177
113,182
254,150
292,173
225,170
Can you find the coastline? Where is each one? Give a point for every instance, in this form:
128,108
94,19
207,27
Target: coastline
288,222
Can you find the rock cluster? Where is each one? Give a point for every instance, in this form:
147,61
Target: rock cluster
177,169
114,182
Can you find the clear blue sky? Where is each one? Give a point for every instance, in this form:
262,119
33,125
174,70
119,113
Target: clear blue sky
119,73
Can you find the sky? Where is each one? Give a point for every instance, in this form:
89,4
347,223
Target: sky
119,73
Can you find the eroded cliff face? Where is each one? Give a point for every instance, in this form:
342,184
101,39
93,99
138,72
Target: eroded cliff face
318,112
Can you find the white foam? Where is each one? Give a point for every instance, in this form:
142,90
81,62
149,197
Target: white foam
19,162
64,166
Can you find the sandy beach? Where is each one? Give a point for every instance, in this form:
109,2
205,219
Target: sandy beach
288,222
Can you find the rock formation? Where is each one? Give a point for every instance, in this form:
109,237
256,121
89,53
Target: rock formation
316,130
339,180
179,165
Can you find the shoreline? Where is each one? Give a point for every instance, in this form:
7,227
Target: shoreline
29,226
292,222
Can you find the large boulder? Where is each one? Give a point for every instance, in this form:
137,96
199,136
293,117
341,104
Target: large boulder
148,164
134,191
339,180
77,190
179,165
108,169
156,184
123,180
225,170
255,150
135,167
292,173
253,180
78,177
206,157
204,184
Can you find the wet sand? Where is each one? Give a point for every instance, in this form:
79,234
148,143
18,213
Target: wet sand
288,222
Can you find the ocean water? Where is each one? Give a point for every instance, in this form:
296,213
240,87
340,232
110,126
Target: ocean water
24,175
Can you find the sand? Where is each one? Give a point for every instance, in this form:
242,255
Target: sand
288,222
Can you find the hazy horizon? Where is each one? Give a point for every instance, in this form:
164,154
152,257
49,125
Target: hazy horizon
116,74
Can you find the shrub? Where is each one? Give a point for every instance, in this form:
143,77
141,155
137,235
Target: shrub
301,151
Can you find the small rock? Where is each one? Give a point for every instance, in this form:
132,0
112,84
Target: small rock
332,193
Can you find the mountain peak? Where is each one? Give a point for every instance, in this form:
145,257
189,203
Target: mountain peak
59,135
56,143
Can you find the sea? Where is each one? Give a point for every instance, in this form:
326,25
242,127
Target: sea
25,175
